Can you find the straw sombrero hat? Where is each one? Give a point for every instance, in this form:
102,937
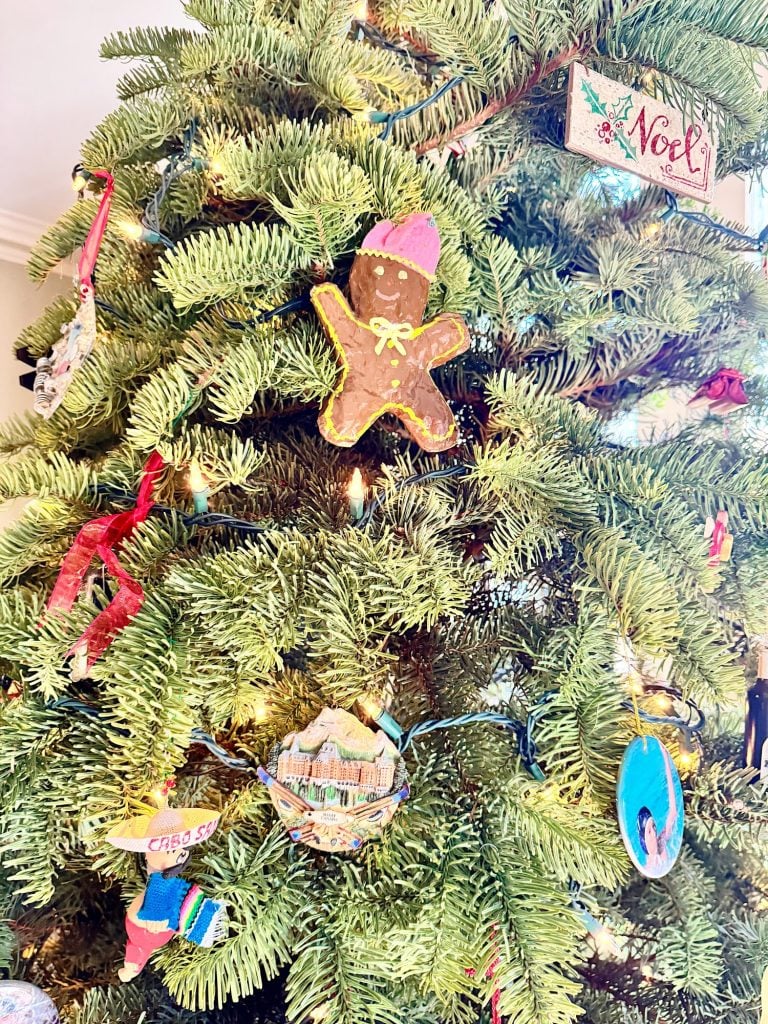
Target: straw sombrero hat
170,829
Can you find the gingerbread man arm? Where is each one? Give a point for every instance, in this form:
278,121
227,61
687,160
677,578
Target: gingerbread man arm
333,309
441,339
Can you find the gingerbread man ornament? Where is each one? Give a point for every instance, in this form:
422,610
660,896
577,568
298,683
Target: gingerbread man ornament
386,352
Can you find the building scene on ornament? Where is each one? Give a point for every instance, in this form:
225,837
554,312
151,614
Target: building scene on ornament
384,512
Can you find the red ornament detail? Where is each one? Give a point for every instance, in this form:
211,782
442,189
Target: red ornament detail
722,392
489,974
99,538
720,544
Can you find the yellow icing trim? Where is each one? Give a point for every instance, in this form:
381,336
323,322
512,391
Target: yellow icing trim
398,259
397,407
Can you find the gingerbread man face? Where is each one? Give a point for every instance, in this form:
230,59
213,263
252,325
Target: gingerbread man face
384,287
385,350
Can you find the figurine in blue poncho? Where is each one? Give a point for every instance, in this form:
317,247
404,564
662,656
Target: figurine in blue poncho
169,905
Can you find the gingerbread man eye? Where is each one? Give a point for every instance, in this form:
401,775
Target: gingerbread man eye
402,274
379,271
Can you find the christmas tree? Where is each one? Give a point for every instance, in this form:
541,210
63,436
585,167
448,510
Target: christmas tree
514,596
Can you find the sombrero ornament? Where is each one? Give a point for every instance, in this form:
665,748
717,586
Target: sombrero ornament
171,828
170,905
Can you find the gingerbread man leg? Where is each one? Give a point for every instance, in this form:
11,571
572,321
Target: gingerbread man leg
349,414
431,424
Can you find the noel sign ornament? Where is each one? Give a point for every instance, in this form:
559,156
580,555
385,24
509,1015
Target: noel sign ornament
631,131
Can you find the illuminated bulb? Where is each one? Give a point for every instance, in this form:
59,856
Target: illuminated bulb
216,166
361,11
381,717
159,797
197,481
661,704
688,754
687,762
139,233
601,937
651,230
370,706
605,944
259,713
356,495
79,181
131,229
198,485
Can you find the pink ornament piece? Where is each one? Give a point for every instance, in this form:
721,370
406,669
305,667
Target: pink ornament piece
415,240
721,543
722,392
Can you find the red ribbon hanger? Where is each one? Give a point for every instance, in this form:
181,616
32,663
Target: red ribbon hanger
100,537
92,243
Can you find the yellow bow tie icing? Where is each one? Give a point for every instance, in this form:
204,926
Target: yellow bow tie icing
389,334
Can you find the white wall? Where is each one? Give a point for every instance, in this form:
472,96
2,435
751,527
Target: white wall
21,301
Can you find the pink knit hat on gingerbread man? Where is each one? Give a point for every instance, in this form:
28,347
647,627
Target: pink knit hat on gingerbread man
414,242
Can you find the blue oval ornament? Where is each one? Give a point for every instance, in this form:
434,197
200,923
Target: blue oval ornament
650,807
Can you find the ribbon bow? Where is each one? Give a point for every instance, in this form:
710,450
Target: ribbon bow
100,537
389,334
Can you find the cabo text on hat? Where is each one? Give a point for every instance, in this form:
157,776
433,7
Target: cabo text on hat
170,829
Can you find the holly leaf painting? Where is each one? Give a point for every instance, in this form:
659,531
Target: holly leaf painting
596,105
622,108
629,150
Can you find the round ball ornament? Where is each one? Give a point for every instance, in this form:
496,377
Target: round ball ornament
22,1003
335,783
650,806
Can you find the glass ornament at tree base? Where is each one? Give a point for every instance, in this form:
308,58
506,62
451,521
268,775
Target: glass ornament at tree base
22,1003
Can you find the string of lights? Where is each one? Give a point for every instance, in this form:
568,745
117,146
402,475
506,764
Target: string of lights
178,163
691,725
247,526
758,242
458,470
523,730
390,120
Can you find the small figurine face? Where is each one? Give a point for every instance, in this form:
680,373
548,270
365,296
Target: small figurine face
384,287
651,841
171,861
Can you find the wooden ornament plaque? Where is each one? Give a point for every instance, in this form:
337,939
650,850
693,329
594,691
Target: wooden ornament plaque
631,131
